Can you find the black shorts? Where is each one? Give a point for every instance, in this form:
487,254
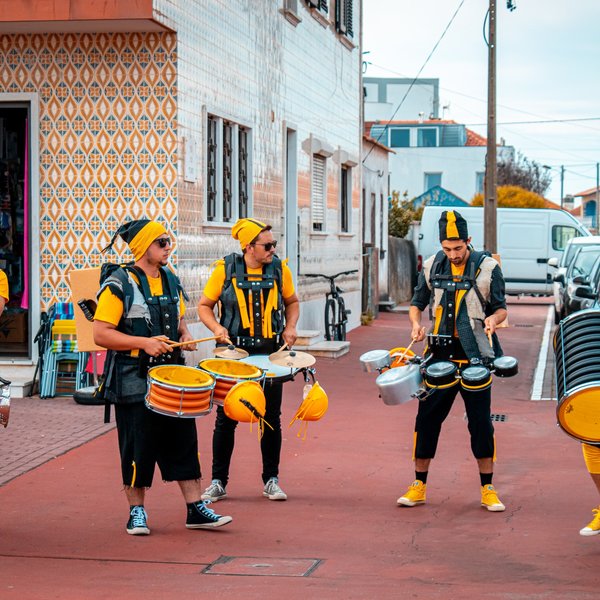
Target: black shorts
147,438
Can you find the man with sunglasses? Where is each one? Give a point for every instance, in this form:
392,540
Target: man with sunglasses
140,313
259,310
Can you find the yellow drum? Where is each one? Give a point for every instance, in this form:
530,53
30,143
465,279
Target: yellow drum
179,391
227,373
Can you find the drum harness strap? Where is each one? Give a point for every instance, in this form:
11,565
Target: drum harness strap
246,324
143,314
440,279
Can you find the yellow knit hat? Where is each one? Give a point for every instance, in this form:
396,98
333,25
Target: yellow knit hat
245,230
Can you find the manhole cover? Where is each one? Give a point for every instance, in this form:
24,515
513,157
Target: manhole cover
261,566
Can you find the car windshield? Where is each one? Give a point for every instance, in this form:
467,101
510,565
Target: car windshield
584,261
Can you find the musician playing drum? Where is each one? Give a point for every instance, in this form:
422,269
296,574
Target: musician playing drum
259,311
140,309
465,291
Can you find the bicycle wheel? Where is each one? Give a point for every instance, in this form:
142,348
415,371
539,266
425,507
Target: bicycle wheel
343,319
330,322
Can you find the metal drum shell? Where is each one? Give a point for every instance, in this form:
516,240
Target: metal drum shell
441,374
398,385
475,378
375,360
577,371
505,366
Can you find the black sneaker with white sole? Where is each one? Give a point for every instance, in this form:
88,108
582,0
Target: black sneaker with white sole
199,516
138,521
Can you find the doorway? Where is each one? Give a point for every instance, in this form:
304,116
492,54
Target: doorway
15,228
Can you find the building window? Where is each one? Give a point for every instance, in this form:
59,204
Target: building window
399,138
345,199
343,17
318,4
227,170
427,137
479,182
318,192
432,179
290,11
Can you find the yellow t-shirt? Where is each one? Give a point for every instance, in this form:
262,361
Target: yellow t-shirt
110,308
3,285
214,285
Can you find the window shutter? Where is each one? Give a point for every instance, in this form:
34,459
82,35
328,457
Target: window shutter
348,15
313,3
243,173
227,168
318,192
343,17
211,168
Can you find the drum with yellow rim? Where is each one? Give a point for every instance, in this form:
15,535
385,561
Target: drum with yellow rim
227,373
179,391
440,375
475,378
577,365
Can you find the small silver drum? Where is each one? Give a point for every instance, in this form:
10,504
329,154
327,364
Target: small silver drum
440,375
475,378
375,360
399,385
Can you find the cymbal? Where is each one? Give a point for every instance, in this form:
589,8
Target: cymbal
230,352
292,359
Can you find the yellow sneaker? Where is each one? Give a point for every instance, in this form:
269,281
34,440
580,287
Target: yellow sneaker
592,528
415,494
490,500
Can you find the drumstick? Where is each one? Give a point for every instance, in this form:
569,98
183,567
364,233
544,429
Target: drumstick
206,339
405,351
282,347
488,333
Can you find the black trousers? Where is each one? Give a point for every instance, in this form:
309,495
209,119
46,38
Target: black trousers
434,410
270,443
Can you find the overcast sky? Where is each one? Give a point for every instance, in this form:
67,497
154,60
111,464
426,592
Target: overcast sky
548,68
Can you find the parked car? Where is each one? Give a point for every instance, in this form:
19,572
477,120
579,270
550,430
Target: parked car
561,265
583,270
590,294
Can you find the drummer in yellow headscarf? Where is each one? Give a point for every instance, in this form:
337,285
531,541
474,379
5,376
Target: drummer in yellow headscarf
3,290
259,310
139,315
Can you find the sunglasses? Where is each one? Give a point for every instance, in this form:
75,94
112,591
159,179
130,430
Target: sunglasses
164,242
267,246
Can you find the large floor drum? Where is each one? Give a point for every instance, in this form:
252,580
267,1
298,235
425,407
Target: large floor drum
577,365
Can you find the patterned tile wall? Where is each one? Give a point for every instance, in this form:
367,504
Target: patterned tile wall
108,139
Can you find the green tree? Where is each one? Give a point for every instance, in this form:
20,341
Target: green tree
513,196
401,214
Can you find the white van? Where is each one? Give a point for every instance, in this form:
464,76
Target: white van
527,238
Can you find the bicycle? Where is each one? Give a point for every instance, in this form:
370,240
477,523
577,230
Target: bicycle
336,313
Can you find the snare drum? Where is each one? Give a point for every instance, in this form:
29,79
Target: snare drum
475,378
440,375
178,391
227,373
273,373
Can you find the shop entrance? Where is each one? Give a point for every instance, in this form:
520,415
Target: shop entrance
15,338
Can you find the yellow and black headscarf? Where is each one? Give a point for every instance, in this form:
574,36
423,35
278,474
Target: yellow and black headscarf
453,226
245,230
138,235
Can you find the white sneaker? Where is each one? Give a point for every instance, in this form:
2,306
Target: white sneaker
214,492
272,490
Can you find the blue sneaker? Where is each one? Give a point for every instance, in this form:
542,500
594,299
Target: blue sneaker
137,524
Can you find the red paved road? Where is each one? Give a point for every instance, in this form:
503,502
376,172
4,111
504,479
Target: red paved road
62,524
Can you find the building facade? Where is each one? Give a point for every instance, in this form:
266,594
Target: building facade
192,113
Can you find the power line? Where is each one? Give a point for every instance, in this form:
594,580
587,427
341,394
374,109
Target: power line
574,120
415,78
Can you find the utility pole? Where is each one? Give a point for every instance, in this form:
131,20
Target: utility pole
490,200
562,184
597,197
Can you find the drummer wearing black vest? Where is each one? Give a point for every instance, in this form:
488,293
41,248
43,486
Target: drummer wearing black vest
464,291
140,310
259,310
